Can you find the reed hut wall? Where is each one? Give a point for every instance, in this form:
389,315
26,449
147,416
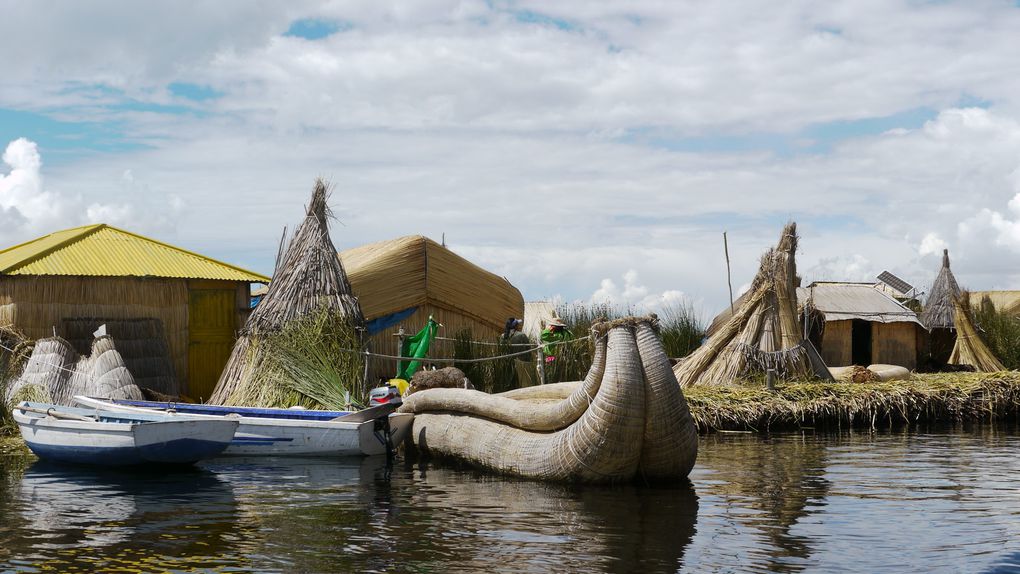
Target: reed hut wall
837,343
38,305
894,344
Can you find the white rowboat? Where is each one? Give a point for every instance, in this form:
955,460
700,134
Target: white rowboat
90,436
283,432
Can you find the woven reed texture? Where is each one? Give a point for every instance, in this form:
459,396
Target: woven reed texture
557,391
969,348
55,366
397,274
309,277
670,444
500,408
939,309
763,333
36,305
605,444
142,344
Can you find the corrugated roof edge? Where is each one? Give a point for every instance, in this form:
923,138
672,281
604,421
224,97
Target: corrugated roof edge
86,231
90,229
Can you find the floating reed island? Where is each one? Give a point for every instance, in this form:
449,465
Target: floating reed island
923,398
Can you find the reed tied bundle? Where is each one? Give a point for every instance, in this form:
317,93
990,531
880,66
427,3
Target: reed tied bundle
309,281
763,334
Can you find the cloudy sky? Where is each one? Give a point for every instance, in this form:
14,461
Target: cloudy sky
581,149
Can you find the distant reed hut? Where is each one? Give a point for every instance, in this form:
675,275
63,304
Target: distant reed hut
861,325
954,337
401,282
1004,302
939,314
173,313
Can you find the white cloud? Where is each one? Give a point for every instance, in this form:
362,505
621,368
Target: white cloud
551,152
28,209
634,295
931,244
24,204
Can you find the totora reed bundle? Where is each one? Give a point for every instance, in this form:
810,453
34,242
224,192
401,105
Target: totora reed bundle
627,420
763,334
309,281
969,348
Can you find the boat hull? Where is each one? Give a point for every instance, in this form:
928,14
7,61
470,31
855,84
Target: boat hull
118,443
265,436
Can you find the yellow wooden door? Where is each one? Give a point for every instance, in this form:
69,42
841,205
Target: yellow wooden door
211,327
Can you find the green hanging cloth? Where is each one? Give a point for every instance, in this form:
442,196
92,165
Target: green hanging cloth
416,347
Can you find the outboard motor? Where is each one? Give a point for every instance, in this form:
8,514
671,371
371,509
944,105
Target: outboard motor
387,395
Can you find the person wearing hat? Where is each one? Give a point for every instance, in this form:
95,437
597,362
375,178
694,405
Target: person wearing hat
524,365
555,332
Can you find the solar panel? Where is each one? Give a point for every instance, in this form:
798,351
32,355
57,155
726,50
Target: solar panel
895,282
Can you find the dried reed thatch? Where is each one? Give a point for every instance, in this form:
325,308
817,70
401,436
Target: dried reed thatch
940,309
936,398
56,367
309,279
627,419
969,348
763,334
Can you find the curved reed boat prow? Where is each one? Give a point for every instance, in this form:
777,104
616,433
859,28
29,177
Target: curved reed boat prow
626,420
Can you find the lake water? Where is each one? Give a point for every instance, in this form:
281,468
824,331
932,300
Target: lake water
906,501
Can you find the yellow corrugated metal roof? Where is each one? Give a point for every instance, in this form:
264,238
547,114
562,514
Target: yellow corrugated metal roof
101,250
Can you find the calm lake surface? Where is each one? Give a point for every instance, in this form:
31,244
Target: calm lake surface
932,500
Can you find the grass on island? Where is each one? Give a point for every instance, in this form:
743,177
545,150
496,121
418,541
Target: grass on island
943,397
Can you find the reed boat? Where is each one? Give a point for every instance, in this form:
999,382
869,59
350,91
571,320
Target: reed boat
628,419
285,432
98,437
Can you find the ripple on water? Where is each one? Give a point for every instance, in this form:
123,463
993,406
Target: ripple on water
878,502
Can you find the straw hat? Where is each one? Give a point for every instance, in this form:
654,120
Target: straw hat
556,322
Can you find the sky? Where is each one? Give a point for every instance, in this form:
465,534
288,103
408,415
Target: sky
584,150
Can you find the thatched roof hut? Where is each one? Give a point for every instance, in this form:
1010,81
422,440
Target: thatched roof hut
175,311
764,333
862,325
309,278
939,310
1005,302
403,281
954,338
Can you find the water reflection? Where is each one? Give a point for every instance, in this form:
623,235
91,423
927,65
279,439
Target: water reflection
939,500
68,518
770,484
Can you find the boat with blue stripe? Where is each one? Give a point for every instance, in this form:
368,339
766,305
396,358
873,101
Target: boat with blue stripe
96,437
285,432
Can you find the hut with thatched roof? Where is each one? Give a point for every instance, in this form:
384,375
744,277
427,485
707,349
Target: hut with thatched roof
861,325
309,279
939,314
1005,302
763,334
173,313
954,338
404,281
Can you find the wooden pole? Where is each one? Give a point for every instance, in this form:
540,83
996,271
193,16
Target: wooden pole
541,365
729,280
